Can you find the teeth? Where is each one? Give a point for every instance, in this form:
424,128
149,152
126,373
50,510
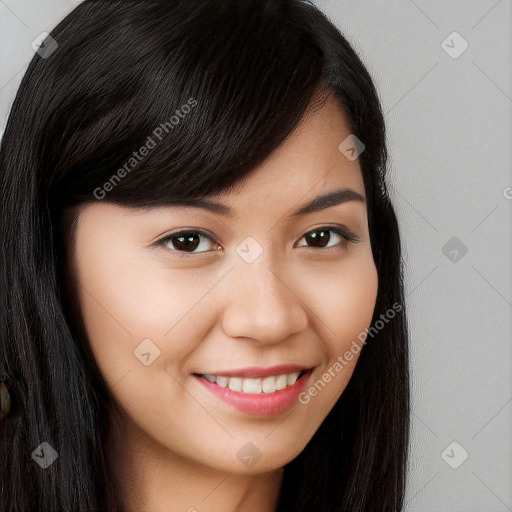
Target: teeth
269,384
280,382
292,378
235,384
251,385
221,381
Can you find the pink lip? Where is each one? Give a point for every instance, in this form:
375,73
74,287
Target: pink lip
258,371
263,404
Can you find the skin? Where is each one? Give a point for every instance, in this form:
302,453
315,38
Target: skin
176,444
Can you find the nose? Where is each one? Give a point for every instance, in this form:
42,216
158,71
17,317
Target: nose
261,304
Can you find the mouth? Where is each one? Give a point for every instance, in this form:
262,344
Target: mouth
255,385
264,392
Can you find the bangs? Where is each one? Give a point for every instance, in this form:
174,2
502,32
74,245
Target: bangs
195,98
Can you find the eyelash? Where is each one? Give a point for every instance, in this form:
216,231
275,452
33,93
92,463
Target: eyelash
344,233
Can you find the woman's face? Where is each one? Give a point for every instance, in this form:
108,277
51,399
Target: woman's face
268,295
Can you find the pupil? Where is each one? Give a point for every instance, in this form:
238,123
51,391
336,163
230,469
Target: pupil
186,242
190,242
318,241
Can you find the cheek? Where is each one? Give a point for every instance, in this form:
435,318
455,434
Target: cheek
357,297
345,306
344,300
126,298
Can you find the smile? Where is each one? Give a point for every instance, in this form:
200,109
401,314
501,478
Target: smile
269,384
258,395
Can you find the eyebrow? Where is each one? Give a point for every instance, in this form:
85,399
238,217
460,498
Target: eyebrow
327,200
319,203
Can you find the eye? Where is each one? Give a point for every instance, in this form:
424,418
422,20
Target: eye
320,237
187,241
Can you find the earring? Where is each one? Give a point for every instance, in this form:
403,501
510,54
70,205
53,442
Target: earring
5,400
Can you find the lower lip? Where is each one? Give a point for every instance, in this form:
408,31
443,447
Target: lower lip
263,404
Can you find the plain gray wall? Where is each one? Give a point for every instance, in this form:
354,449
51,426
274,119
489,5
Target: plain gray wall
449,134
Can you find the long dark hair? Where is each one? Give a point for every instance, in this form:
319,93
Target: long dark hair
116,71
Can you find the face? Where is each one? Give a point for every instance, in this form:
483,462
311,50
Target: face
225,336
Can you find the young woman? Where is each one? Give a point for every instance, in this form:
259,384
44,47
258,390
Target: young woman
202,300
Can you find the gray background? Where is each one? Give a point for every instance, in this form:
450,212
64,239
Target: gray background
449,134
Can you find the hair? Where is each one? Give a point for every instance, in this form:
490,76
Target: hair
248,71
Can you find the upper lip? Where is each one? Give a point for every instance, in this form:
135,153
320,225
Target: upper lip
258,371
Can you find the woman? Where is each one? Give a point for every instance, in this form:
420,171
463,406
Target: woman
205,300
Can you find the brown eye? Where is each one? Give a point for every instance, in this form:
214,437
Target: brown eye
187,241
321,237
